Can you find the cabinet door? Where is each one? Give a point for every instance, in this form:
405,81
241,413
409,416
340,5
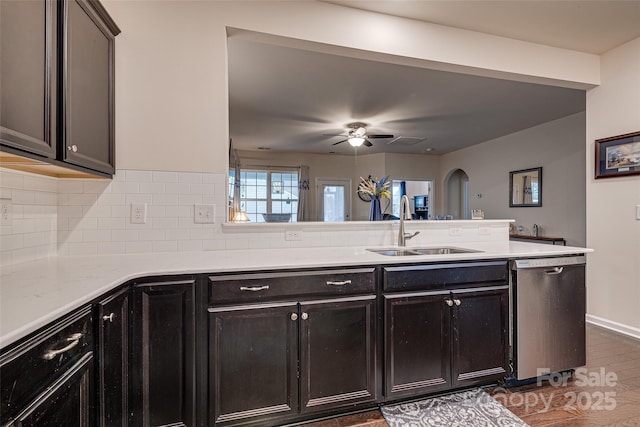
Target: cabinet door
253,357
113,359
162,374
480,352
337,353
417,344
87,81
28,75
68,402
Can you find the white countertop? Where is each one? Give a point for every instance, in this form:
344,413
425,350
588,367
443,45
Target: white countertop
35,293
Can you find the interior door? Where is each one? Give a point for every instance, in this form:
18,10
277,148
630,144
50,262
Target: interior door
333,199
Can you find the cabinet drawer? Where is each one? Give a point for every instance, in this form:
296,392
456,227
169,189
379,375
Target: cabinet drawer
437,276
28,368
264,286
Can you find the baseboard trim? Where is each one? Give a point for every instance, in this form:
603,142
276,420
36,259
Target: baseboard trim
614,326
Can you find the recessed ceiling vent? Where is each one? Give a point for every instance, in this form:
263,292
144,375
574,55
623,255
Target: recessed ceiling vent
406,141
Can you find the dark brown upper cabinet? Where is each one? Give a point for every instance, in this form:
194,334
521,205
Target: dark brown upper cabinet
28,76
57,102
87,86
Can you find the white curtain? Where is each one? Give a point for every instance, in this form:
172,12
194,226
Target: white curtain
304,213
235,207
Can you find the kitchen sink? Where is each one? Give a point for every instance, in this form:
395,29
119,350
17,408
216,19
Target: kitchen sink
393,252
442,251
421,251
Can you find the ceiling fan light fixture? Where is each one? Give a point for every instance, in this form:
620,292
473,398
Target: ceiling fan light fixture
356,141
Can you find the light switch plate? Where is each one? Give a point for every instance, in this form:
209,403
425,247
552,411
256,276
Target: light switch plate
204,214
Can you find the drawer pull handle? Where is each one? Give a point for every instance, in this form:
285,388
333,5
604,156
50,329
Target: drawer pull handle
457,302
74,341
254,288
304,316
449,302
109,317
294,316
339,283
556,270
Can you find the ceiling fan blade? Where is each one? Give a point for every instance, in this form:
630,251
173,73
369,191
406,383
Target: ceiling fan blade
334,134
367,143
380,136
339,142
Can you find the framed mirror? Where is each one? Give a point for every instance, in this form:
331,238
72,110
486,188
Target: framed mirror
525,188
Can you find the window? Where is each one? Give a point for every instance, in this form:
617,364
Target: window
263,191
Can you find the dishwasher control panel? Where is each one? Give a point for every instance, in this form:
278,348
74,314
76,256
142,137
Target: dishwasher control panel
549,262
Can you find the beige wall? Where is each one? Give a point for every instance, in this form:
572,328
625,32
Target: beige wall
171,71
613,270
558,147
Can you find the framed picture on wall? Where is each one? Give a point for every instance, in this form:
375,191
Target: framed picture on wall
618,155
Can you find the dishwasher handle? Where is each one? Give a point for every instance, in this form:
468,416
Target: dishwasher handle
556,270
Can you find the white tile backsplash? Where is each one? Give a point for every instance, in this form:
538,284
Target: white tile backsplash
32,232
92,216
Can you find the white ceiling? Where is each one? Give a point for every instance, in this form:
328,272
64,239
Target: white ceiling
593,26
289,99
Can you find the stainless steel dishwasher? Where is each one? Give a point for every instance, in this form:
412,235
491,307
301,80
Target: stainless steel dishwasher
548,315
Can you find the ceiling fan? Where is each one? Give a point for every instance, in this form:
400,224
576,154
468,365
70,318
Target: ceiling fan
357,135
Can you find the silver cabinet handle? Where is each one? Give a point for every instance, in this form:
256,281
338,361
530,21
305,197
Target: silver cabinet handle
73,148
109,317
457,302
294,316
74,341
449,302
254,288
339,283
556,270
304,316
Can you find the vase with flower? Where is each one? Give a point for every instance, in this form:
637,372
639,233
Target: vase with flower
376,189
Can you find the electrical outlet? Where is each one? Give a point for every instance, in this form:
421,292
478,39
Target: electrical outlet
484,231
138,213
295,235
5,212
455,231
637,211
204,214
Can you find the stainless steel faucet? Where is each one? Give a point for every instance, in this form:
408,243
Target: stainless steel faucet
405,213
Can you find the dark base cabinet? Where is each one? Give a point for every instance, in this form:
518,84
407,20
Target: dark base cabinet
48,380
257,369
448,332
112,320
162,373
337,353
69,401
480,337
418,349
272,348
253,362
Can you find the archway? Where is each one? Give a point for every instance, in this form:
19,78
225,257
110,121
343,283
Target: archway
457,194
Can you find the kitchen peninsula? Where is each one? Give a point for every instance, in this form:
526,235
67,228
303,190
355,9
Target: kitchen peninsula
199,318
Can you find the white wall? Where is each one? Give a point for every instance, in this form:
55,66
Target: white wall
171,71
558,147
613,270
